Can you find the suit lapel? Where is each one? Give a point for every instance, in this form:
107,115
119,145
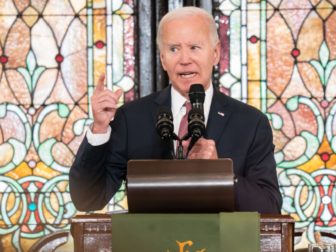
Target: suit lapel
164,97
162,100
218,116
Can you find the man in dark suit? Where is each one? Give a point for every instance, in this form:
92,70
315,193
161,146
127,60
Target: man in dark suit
189,48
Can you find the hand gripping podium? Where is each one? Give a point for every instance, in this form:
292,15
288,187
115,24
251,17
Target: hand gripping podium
180,186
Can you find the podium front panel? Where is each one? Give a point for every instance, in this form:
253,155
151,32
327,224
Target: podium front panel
94,231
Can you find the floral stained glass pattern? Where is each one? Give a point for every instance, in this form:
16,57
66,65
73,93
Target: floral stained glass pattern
51,54
286,66
277,55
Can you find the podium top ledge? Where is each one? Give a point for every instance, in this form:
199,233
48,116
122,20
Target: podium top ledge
103,217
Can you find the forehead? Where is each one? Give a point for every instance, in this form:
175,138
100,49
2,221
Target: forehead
188,29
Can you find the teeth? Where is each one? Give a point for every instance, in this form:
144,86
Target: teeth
187,75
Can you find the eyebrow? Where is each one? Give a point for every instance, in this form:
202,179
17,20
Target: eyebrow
189,44
173,44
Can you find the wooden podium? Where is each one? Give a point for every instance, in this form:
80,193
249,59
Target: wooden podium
93,233
179,186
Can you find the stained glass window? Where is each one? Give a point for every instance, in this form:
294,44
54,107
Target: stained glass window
277,55
280,56
51,54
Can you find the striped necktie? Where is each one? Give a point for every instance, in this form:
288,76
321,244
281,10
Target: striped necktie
183,129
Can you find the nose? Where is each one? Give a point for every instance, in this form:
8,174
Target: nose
185,57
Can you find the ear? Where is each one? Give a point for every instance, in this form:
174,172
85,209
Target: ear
163,61
217,51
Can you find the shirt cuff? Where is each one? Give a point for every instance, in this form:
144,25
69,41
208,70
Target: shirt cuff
98,139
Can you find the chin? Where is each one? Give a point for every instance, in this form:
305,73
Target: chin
191,82
184,85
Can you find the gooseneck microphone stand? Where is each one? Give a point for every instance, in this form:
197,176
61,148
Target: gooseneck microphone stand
179,149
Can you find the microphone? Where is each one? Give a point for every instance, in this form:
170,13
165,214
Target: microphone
196,96
196,126
164,124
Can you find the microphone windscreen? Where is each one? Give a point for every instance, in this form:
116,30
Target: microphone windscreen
196,93
164,124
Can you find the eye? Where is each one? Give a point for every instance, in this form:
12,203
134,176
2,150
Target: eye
173,49
195,47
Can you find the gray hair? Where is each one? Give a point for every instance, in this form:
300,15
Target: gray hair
188,11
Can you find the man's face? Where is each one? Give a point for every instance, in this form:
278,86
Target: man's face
187,53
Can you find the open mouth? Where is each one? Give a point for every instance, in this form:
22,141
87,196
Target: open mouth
187,75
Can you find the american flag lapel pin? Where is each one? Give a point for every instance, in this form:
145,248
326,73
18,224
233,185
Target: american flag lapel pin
220,113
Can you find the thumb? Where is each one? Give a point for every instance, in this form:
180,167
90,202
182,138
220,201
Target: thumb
100,84
118,93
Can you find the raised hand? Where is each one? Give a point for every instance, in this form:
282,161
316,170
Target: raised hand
104,105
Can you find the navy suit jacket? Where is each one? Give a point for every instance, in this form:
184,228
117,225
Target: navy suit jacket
240,131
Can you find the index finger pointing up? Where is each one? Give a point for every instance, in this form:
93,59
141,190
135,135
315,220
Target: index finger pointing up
100,84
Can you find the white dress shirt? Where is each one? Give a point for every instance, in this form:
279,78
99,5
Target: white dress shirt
178,111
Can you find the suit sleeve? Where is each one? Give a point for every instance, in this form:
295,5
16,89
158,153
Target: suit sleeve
258,189
98,171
